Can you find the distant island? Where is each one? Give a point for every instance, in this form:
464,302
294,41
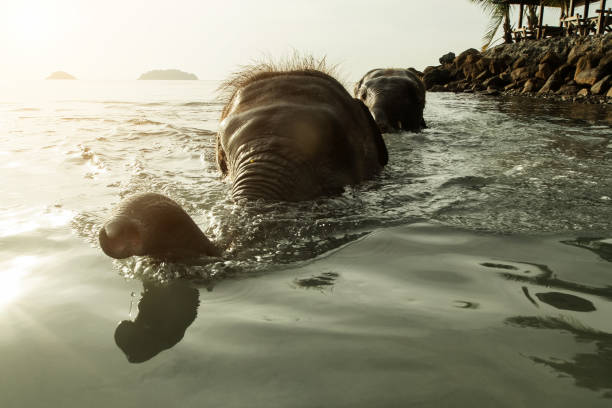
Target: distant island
60,75
165,74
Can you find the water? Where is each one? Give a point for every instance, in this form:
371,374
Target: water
475,270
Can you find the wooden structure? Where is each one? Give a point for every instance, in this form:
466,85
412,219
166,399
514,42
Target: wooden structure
570,22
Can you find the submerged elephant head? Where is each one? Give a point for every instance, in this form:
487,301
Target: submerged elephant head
284,135
396,98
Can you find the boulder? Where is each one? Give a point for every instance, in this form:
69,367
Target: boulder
521,73
583,92
520,62
544,71
609,94
437,88
532,85
587,72
460,59
496,82
568,90
602,85
435,76
470,68
447,58
552,60
583,46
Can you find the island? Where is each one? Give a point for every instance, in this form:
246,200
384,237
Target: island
165,74
60,75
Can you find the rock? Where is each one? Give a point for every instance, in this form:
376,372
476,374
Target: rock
609,94
416,72
520,62
496,82
581,48
166,74
532,85
447,58
435,76
568,90
602,85
482,76
470,68
605,65
583,92
60,75
520,73
491,91
587,72
437,88
460,59
510,86
544,71
551,59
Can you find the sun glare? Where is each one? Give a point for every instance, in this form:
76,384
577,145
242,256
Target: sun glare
11,278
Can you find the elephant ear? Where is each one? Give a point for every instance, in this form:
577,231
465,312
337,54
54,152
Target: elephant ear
356,88
383,154
221,160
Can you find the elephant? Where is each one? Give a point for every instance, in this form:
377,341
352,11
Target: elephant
396,98
289,134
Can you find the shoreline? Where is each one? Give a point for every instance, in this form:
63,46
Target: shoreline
569,69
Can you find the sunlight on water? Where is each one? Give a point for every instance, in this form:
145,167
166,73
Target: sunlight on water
12,276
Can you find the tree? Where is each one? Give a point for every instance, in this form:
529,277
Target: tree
499,11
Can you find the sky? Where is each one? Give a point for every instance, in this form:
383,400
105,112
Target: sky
119,40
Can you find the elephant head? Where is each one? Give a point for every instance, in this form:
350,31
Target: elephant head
396,98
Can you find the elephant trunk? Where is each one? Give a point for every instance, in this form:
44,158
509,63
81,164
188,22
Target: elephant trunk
152,224
261,172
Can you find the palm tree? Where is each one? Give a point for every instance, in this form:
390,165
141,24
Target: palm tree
499,11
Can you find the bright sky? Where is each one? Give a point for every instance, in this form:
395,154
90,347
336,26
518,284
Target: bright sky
122,39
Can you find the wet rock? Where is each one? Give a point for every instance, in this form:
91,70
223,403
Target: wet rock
602,85
568,90
583,92
437,88
447,58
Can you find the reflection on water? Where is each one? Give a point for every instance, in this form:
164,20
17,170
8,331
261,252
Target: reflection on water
164,313
589,370
546,277
600,246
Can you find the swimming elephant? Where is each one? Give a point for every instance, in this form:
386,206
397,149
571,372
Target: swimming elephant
396,98
290,135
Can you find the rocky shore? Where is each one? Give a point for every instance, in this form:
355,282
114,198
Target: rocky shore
568,68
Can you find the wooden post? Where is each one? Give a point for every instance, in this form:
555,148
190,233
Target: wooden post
540,20
521,16
586,9
571,8
600,19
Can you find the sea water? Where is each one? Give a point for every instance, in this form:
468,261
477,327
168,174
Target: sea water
475,270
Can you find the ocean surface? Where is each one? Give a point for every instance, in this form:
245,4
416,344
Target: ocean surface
475,270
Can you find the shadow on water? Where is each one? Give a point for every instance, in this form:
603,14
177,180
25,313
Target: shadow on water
164,313
589,370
